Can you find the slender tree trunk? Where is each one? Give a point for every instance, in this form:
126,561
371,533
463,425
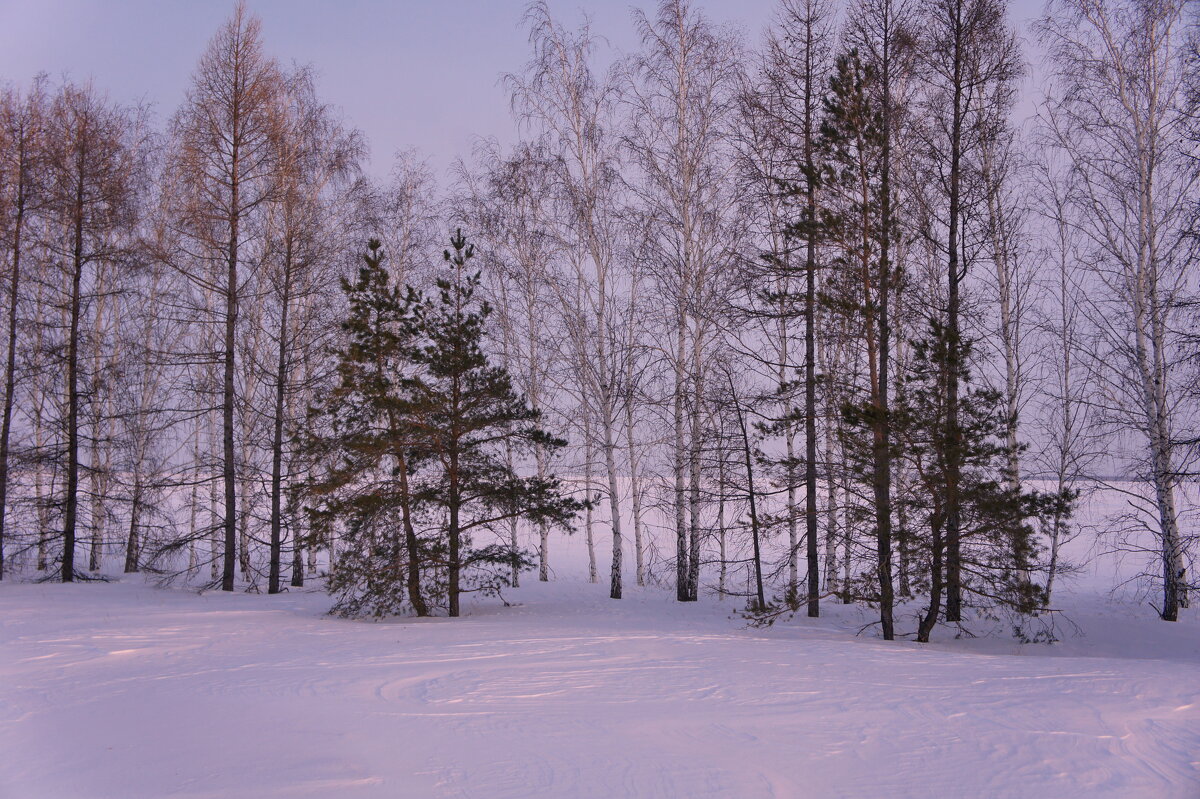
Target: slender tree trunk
415,597
694,533
193,499
455,563
38,400
831,486
903,547
299,550
881,439
96,543
513,544
810,412
71,498
790,471
1056,531
543,529
593,574
275,567
953,466
760,595
635,491
614,509
810,325
229,462
133,542
100,457
721,531
1162,471
847,527
10,359
680,466
215,521
936,583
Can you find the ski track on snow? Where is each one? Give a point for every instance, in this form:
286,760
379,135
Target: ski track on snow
126,691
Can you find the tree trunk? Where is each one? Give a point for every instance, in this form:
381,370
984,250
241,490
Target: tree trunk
593,574
953,367
229,463
71,498
721,532
614,509
412,544
133,542
881,435
513,546
543,529
681,541
275,567
10,360
760,594
694,453
635,491
455,563
936,584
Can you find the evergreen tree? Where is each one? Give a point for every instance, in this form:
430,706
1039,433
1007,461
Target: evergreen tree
468,412
857,223
364,437
997,536
413,445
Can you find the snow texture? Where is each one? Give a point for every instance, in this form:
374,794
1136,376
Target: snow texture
123,690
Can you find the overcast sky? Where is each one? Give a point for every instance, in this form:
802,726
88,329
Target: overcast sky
409,73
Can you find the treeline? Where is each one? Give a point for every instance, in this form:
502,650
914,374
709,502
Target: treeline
819,311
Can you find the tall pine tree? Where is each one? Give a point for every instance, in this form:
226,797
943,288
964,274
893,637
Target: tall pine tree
366,448
413,449
468,413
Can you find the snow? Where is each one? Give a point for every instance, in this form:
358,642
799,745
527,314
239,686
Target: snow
125,690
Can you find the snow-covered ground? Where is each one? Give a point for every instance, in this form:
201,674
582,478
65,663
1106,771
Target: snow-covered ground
123,690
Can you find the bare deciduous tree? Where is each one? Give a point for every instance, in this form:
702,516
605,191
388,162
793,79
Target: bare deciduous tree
1115,116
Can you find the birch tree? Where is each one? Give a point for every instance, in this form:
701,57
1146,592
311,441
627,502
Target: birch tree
1116,101
511,204
574,109
682,103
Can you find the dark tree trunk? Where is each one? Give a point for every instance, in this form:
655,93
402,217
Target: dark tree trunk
71,503
281,376
228,467
133,543
412,545
953,345
936,584
455,565
881,443
760,594
810,337
10,362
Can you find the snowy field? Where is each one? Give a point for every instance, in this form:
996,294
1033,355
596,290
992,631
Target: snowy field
122,690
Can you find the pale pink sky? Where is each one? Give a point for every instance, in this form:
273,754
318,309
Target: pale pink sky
409,73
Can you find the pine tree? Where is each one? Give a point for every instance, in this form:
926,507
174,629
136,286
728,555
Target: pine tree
362,433
997,538
419,431
857,223
469,413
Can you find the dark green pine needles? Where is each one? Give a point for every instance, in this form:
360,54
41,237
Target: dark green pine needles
408,451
